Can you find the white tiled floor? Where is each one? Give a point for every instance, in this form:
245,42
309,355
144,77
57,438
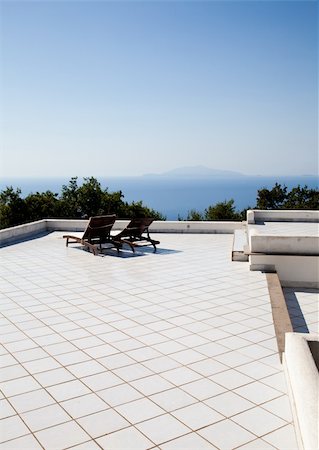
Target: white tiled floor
173,350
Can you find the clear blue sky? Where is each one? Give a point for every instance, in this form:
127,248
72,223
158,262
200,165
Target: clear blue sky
130,87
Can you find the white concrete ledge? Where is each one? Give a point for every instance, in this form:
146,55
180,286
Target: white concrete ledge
276,244
239,246
303,385
14,234
20,232
156,227
293,270
281,215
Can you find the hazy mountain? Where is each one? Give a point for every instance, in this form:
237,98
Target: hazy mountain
196,172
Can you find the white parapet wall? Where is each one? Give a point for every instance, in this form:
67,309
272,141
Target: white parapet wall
290,246
20,232
273,244
281,215
293,270
28,230
303,386
158,226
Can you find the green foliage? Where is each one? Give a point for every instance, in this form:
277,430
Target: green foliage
276,198
90,199
69,199
74,202
37,206
195,215
12,207
222,211
90,196
279,198
302,198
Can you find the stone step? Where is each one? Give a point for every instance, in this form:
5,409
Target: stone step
240,242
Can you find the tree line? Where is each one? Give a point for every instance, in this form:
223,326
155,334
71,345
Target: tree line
74,202
90,199
278,197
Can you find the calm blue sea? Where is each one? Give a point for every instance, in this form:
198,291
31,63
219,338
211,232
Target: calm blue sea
174,197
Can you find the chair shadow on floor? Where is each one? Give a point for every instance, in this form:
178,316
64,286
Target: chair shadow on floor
127,252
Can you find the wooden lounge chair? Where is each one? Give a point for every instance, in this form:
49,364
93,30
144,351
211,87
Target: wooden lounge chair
97,232
136,234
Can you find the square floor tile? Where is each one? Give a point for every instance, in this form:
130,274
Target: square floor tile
133,372
188,356
102,423
226,435
285,437
90,445
197,416
181,375
151,385
117,395
52,377
23,443
208,367
12,372
190,441
233,359
257,370
30,355
258,444
41,365
62,436
6,409
86,368
11,428
101,381
231,379
203,389
173,399
45,417
276,381
127,439
162,429
258,421
257,392
115,361
280,407
31,400
143,354
139,410
84,405
161,364
19,386
229,403
72,357
70,389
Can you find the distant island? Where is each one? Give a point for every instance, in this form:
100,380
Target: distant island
196,172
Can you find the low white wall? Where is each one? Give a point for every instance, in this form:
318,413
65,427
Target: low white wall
156,227
275,244
281,215
9,235
293,270
195,227
24,231
303,385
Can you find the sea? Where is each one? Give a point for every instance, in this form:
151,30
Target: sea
173,197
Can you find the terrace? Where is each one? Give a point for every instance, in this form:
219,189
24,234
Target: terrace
172,350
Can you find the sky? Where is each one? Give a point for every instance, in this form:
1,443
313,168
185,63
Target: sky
121,88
